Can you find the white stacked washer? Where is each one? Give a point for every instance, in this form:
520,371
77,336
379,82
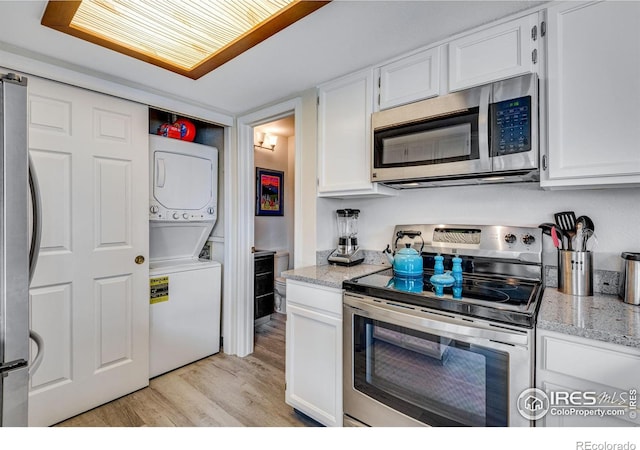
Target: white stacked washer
185,291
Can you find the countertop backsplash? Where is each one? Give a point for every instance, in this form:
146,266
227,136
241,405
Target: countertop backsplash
604,281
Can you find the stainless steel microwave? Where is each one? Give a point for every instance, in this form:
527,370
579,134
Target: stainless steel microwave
486,134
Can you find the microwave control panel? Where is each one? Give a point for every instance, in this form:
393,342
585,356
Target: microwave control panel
511,126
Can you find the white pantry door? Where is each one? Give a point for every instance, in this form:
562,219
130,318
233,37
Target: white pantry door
89,298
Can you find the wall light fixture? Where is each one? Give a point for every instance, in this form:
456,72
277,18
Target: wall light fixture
266,141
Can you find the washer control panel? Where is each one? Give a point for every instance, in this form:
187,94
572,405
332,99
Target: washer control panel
157,212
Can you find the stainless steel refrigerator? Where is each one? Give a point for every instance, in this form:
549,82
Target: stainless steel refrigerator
19,244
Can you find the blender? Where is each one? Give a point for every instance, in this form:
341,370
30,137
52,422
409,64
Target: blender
348,253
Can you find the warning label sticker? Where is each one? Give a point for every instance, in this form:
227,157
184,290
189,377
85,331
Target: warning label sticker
158,290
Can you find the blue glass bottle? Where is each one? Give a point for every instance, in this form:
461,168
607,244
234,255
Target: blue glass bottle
457,276
438,268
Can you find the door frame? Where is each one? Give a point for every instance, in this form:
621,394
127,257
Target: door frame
238,329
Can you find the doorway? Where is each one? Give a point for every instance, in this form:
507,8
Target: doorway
274,166
238,317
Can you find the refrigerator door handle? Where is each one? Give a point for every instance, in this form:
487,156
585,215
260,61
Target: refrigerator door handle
40,355
36,206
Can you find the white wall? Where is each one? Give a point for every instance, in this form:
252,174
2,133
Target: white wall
615,212
275,232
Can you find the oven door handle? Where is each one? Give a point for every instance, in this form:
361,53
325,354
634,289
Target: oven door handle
421,320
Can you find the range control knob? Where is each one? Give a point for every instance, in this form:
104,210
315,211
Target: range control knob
154,209
510,238
176,215
185,215
527,239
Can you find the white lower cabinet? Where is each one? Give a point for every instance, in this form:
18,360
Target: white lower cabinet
314,351
600,381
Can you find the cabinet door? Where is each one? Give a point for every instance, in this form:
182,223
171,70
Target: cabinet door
593,94
568,364
413,78
499,52
314,364
344,136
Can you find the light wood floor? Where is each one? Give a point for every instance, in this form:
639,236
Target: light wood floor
220,390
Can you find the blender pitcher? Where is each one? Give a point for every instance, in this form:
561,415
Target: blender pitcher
348,252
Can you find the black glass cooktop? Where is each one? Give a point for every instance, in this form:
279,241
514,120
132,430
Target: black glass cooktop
507,300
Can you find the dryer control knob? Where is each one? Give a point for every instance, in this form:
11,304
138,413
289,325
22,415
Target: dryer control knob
176,215
211,210
154,209
185,215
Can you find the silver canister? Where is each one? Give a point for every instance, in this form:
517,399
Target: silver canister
630,280
575,272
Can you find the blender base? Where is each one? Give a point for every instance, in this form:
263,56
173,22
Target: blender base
346,260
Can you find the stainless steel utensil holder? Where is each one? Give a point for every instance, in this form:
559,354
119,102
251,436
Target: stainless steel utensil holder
575,272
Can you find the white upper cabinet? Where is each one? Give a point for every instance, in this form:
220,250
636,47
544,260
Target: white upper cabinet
593,94
495,53
410,79
344,137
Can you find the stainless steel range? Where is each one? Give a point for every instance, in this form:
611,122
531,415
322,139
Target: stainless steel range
414,358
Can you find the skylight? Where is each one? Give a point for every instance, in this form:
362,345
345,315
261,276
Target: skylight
189,37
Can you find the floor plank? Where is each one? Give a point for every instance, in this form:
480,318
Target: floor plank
220,390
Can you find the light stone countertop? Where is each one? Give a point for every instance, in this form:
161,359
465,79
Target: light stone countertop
600,317
331,275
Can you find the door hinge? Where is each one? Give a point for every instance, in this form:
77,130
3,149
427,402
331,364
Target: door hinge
543,29
534,55
544,162
534,33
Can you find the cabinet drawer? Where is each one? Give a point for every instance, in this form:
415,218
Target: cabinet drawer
314,296
263,265
587,361
263,306
263,284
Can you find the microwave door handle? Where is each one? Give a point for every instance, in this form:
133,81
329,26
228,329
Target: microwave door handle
483,128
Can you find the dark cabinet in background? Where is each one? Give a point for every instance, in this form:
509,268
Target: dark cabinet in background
263,288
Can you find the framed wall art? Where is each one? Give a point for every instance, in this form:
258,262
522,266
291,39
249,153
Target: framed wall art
269,192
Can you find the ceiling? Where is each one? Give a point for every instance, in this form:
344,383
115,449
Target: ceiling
339,38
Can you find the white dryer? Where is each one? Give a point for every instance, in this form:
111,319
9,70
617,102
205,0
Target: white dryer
184,291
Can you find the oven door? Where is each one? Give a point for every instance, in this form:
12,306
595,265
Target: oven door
405,366
440,137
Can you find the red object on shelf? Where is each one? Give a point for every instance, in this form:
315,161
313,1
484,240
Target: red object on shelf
168,130
182,129
187,129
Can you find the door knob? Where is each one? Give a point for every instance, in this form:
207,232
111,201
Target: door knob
139,259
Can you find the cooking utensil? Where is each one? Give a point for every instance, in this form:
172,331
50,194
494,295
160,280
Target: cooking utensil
590,240
546,227
554,237
585,223
566,222
579,238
